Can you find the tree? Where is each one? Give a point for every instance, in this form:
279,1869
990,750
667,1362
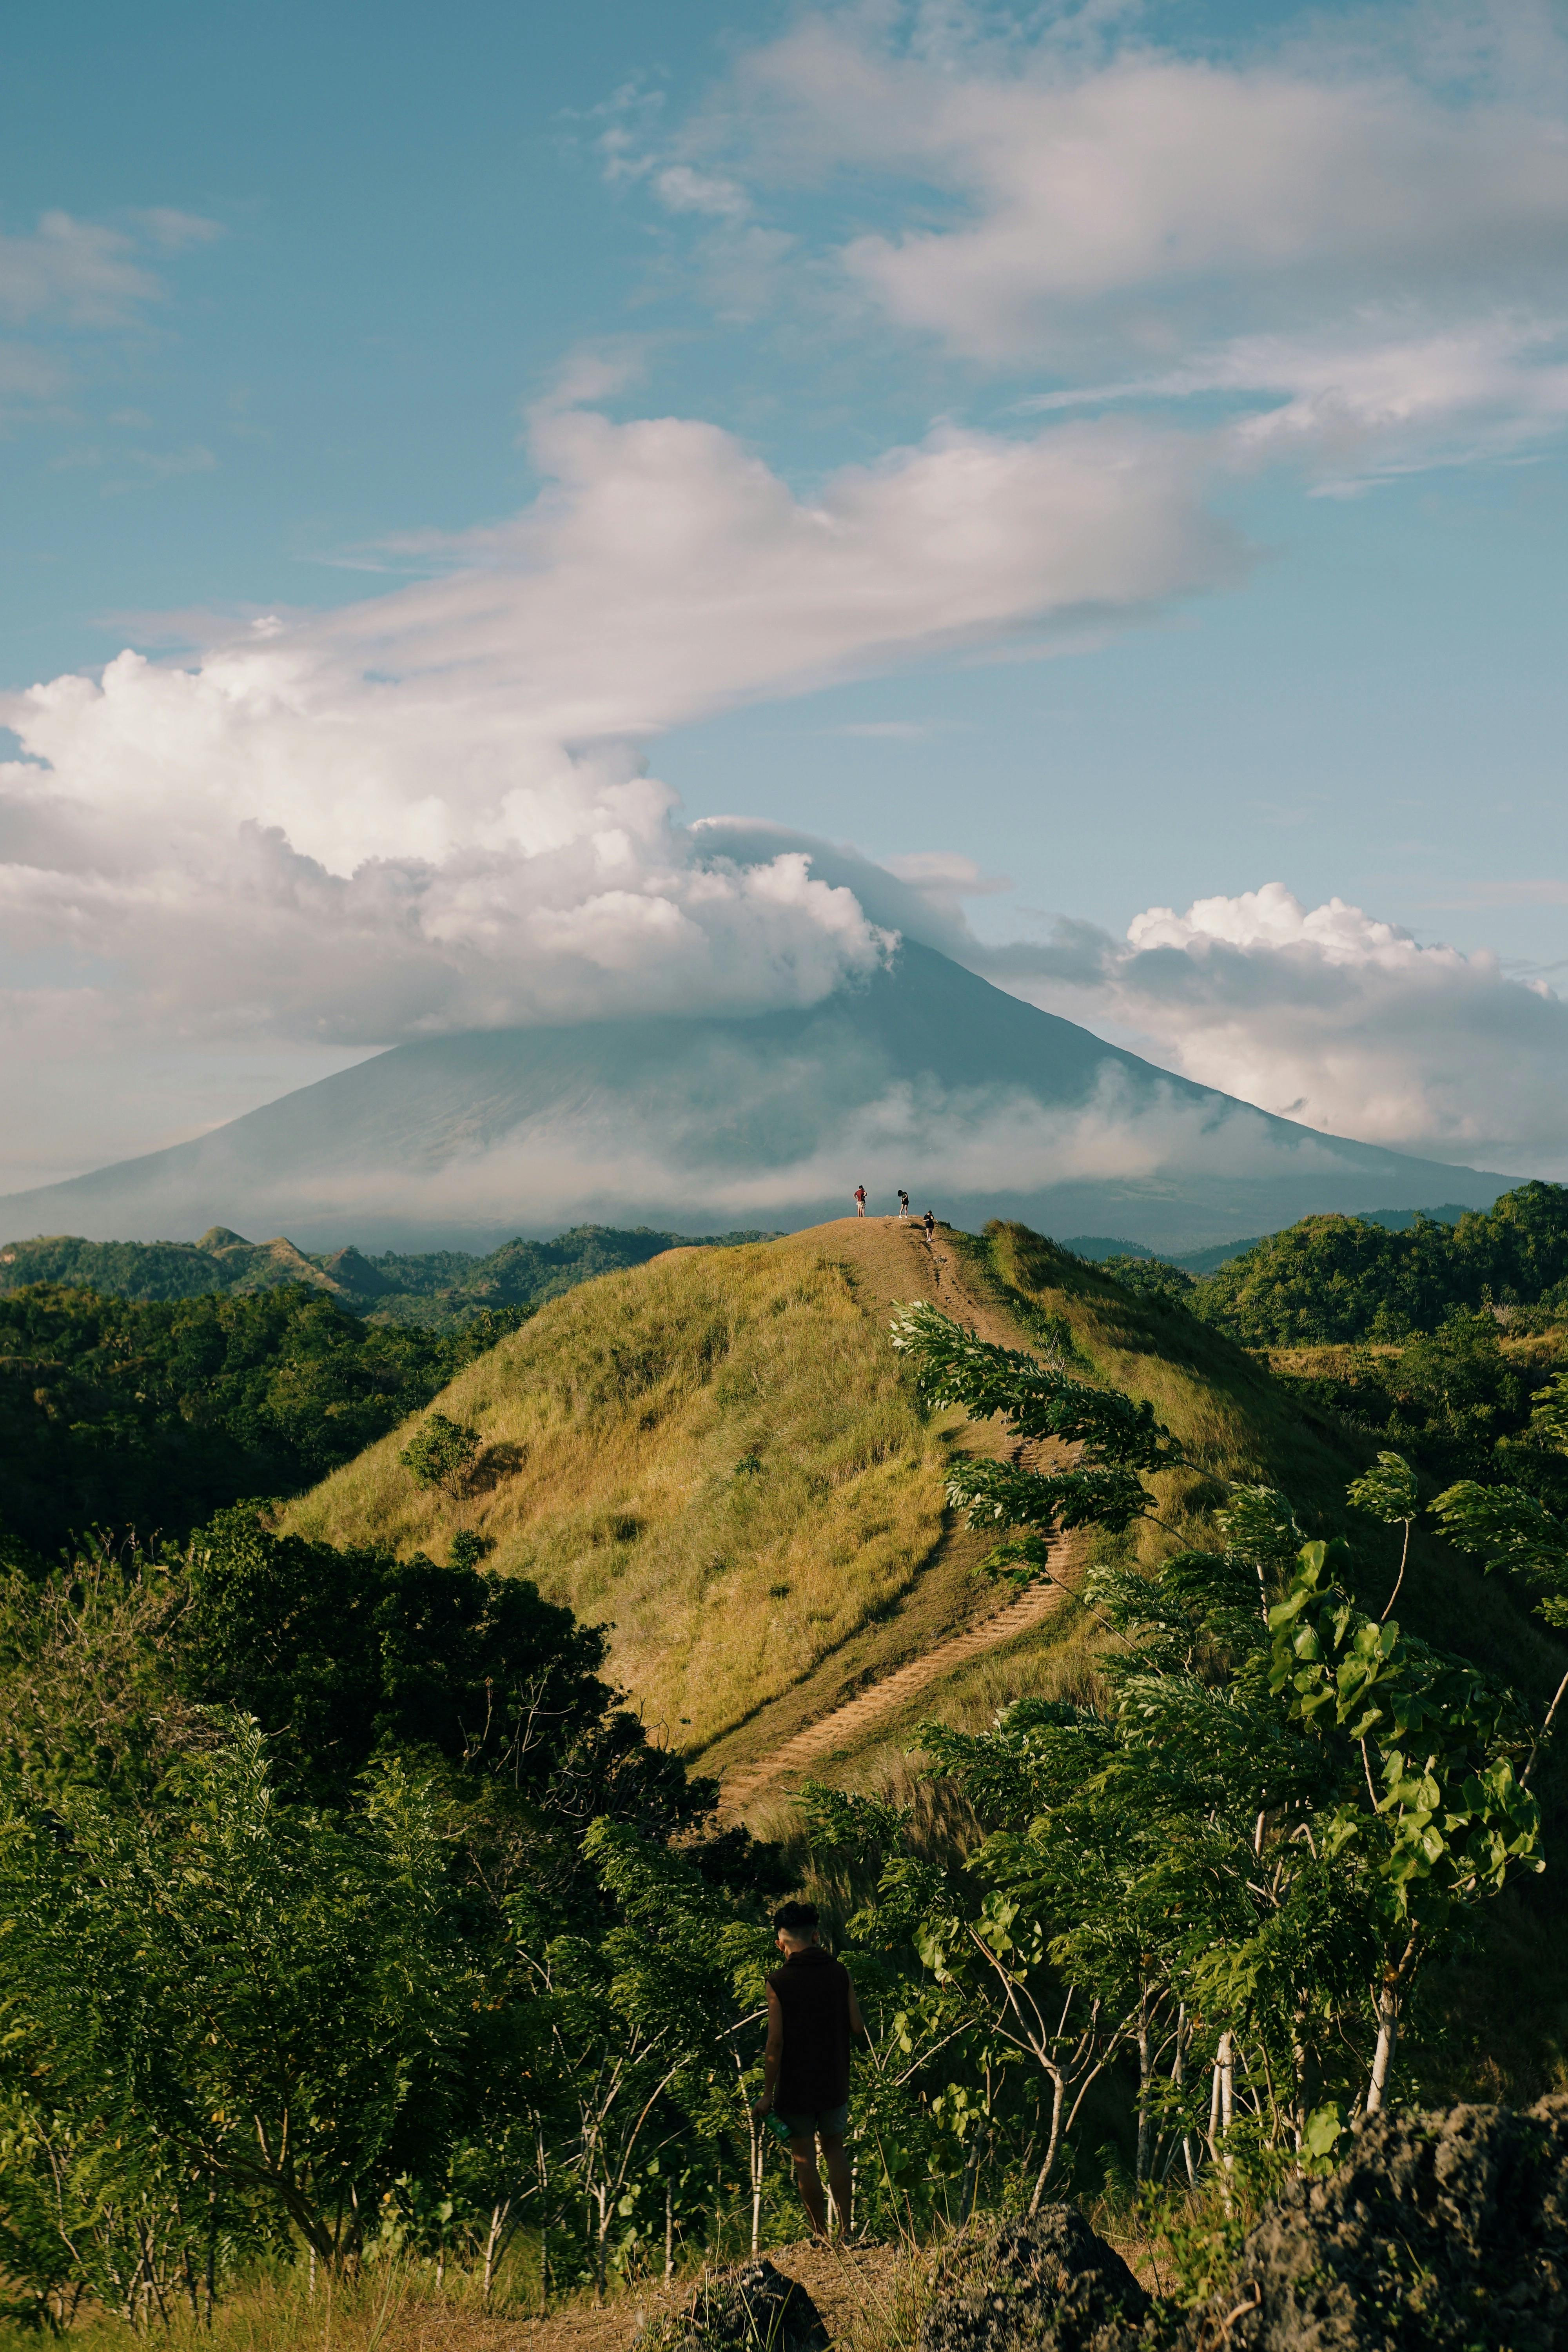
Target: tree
1278,1813
1511,1529
442,1453
341,1653
268,1994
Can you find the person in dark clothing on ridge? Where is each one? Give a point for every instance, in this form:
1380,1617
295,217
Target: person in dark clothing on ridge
929,1222
813,2017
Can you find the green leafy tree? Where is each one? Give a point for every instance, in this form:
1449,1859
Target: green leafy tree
271,1992
152,1415
1388,1492
442,1454
1510,1529
1252,1849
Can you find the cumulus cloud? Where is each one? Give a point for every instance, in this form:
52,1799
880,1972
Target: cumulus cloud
427,811
1327,1015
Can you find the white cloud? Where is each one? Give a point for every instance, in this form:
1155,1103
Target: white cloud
1144,172
78,272
1374,228
1326,1015
686,191
427,812
1380,400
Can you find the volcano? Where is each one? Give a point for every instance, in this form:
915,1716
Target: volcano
924,1077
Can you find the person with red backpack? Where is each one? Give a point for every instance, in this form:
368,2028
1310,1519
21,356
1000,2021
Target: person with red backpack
859,1198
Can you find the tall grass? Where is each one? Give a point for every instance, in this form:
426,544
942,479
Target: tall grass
716,1453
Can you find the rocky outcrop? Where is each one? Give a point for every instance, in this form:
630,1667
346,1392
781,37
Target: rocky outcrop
1044,2284
753,2308
1443,2232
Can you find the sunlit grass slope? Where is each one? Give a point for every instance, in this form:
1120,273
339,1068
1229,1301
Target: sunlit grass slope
717,1452
1234,1423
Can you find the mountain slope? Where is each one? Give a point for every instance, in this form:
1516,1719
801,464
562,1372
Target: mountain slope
621,1425
927,1077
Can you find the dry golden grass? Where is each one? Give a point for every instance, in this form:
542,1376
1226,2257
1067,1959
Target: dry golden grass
745,1605
614,1424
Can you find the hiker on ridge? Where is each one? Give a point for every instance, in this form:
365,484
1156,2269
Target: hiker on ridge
929,1222
903,1206
860,1200
813,2016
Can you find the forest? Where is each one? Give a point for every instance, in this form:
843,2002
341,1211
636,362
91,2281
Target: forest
439,1290
1337,1278
349,1913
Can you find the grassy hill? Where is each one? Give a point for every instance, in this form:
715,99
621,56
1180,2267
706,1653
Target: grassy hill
716,1452
719,1454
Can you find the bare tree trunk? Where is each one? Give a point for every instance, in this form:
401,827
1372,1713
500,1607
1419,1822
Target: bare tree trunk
756,2185
1222,2105
1178,2082
1058,2096
601,2243
1141,2165
669,2227
497,2222
971,2176
1387,2040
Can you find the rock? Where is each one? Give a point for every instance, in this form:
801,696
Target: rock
1443,2232
1043,2284
752,2309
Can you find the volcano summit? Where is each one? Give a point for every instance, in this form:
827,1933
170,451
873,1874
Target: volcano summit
924,1076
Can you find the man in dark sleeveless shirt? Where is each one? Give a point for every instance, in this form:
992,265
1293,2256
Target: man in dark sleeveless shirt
813,2017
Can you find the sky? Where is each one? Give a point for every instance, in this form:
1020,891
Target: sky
1103,463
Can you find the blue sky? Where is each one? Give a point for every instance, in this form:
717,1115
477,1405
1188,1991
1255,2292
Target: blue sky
280,289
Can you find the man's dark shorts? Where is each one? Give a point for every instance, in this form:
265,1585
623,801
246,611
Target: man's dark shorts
831,2122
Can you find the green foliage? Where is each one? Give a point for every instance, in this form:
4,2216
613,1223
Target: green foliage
344,1654
255,1994
1388,1492
1233,1867
1451,1821
442,1453
443,1290
1513,1530
331,1887
1117,1438
1346,1278
154,1415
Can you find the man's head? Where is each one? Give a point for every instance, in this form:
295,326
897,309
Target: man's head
794,1925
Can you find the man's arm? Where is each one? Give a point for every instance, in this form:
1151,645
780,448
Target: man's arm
772,2055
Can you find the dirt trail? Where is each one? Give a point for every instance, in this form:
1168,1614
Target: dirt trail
898,1260
860,2291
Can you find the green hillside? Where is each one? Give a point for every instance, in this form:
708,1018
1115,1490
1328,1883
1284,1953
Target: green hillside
1332,1278
441,1290
716,1453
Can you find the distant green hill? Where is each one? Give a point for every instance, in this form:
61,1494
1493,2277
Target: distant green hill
145,1384
1106,1249
441,1291
1352,1278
